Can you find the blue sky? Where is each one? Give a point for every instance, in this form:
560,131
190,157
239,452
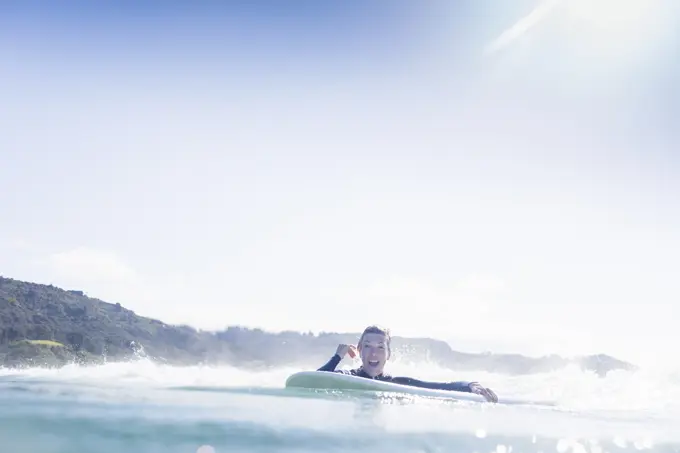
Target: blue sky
502,177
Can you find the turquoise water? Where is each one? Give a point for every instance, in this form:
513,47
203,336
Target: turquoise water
142,407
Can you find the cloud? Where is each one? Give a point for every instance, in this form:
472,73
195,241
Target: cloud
90,265
480,283
417,304
17,244
472,287
106,275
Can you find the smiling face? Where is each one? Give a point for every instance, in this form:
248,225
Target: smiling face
374,349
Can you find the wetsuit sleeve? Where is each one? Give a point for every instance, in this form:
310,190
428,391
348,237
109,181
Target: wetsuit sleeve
457,386
331,364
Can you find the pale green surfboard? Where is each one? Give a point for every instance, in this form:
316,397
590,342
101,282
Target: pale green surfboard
338,381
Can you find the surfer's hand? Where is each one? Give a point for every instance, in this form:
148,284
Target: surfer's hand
488,394
345,349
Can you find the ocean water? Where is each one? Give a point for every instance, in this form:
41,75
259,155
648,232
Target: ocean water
143,407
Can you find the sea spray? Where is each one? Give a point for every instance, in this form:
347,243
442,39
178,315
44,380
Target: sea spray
145,406
571,387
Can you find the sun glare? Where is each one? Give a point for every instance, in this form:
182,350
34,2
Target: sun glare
611,27
614,17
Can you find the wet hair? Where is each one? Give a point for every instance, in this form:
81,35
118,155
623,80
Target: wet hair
379,330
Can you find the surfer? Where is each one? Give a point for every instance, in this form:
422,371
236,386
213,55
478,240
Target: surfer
374,350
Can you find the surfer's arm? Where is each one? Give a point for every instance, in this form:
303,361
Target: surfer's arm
331,364
457,386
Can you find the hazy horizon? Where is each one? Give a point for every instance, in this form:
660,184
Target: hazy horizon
503,178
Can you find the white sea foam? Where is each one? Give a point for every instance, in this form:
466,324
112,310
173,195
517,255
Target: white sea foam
624,391
636,410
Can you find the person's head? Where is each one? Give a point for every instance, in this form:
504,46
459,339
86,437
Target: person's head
374,349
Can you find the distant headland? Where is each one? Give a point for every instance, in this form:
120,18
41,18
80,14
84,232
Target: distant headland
45,326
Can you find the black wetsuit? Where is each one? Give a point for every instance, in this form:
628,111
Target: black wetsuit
458,386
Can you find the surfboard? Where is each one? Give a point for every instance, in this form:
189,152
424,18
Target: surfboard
338,381
325,380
